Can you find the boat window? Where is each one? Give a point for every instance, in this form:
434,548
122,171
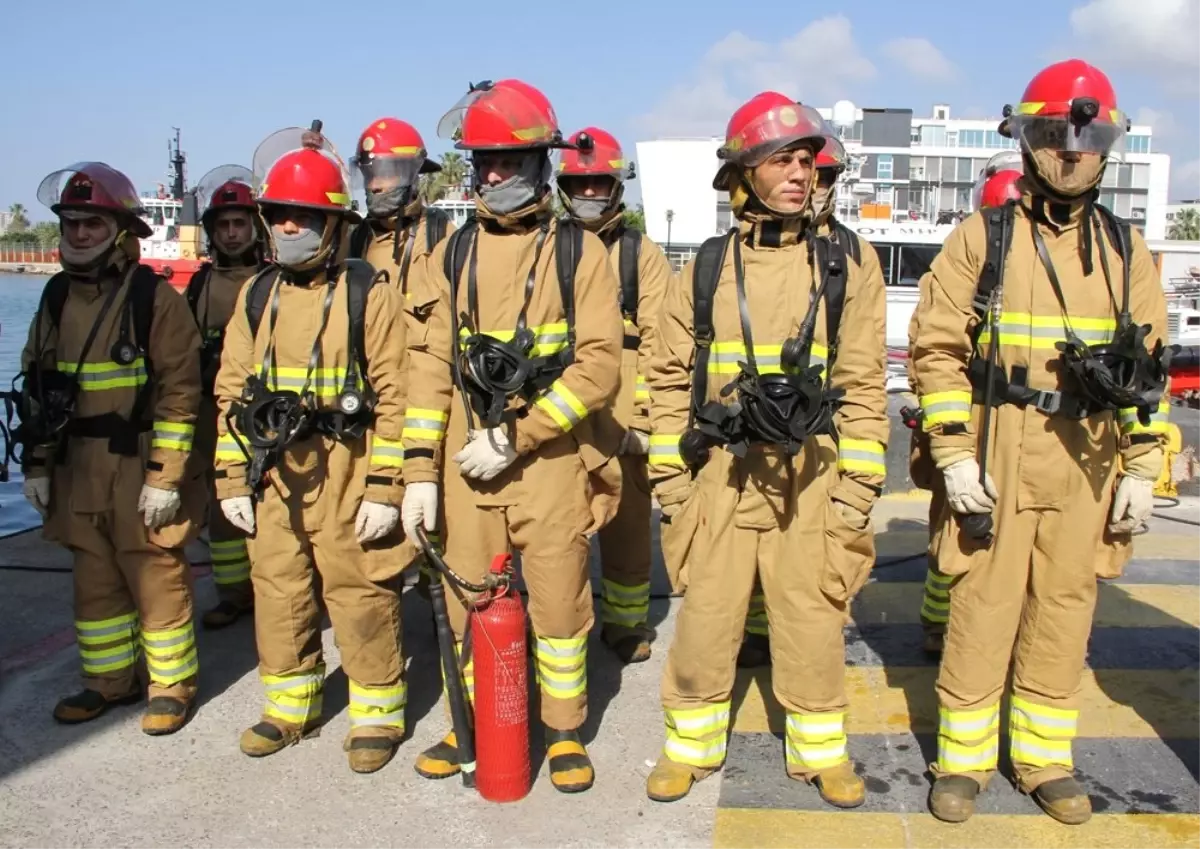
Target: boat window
914,262
886,252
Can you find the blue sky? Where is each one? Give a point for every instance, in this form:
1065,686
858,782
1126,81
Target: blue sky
108,80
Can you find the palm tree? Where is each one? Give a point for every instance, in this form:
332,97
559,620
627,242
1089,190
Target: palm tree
454,169
1186,226
431,188
20,221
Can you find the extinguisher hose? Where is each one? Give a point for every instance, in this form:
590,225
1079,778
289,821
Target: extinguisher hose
460,718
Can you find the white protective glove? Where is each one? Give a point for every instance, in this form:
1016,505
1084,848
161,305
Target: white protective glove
375,520
37,493
964,491
635,442
420,508
239,510
158,506
486,455
1132,504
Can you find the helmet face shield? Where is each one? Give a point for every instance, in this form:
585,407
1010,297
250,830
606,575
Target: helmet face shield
508,114
772,131
284,141
1081,125
374,174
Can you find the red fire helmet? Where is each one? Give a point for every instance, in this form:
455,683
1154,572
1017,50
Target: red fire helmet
307,178
596,153
95,186
505,115
1068,106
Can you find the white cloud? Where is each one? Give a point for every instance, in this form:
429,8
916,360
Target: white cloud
1162,123
921,59
818,65
1158,37
1185,180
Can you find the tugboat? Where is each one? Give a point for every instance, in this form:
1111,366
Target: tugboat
174,248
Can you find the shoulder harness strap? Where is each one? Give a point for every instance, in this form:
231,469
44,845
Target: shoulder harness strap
435,227
142,290
456,253
256,297
998,222
568,247
358,239
848,240
706,274
630,247
360,277
195,287
835,275
1120,232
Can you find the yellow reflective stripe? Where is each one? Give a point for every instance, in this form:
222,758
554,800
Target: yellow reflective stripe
969,724
324,383
100,631
386,452
562,666
171,654
295,699
1041,735
756,615
1128,417
425,424
697,736
968,740
641,391
945,407
664,450
468,671
97,377
562,406
861,455
816,741
175,436
547,338
1044,331
724,357
112,659
935,605
622,605
227,449
377,706
957,758
230,561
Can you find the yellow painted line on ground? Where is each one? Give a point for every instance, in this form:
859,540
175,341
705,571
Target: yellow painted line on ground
907,495
900,699
1117,605
1156,546
737,827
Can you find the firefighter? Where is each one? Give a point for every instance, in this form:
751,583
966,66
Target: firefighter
830,163
591,183
236,241
399,231
530,439
1073,448
775,465
108,413
997,184
311,469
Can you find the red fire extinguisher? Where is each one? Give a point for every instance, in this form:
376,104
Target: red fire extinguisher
496,629
494,753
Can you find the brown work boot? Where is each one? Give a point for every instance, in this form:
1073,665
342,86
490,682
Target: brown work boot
669,781
571,769
224,614
269,736
755,651
630,645
1064,799
952,798
87,705
840,786
440,760
165,715
934,643
370,752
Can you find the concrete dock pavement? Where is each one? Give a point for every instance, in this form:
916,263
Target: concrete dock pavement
107,784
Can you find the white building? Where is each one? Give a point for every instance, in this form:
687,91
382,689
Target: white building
904,168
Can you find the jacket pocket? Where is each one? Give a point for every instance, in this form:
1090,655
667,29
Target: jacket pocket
849,556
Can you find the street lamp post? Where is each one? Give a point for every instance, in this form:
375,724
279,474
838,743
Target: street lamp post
670,218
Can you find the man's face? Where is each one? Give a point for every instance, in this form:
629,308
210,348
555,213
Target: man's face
783,180
86,232
494,168
588,187
292,220
233,231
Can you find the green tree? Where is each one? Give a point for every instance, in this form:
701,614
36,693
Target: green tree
20,221
454,169
46,233
635,219
431,188
1186,226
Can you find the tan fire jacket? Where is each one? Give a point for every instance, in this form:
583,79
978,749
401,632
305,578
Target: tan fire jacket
382,247
779,287
1042,449
505,257
319,474
632,405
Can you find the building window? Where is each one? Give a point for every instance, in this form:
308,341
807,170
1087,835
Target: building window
915,136
971,138
1141,176
952,138
1107,199
724,213
916,168
964,173
1137,144
962,200
933,136
883,166
883,193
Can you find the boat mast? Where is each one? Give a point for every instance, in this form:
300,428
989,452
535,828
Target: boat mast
177,164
